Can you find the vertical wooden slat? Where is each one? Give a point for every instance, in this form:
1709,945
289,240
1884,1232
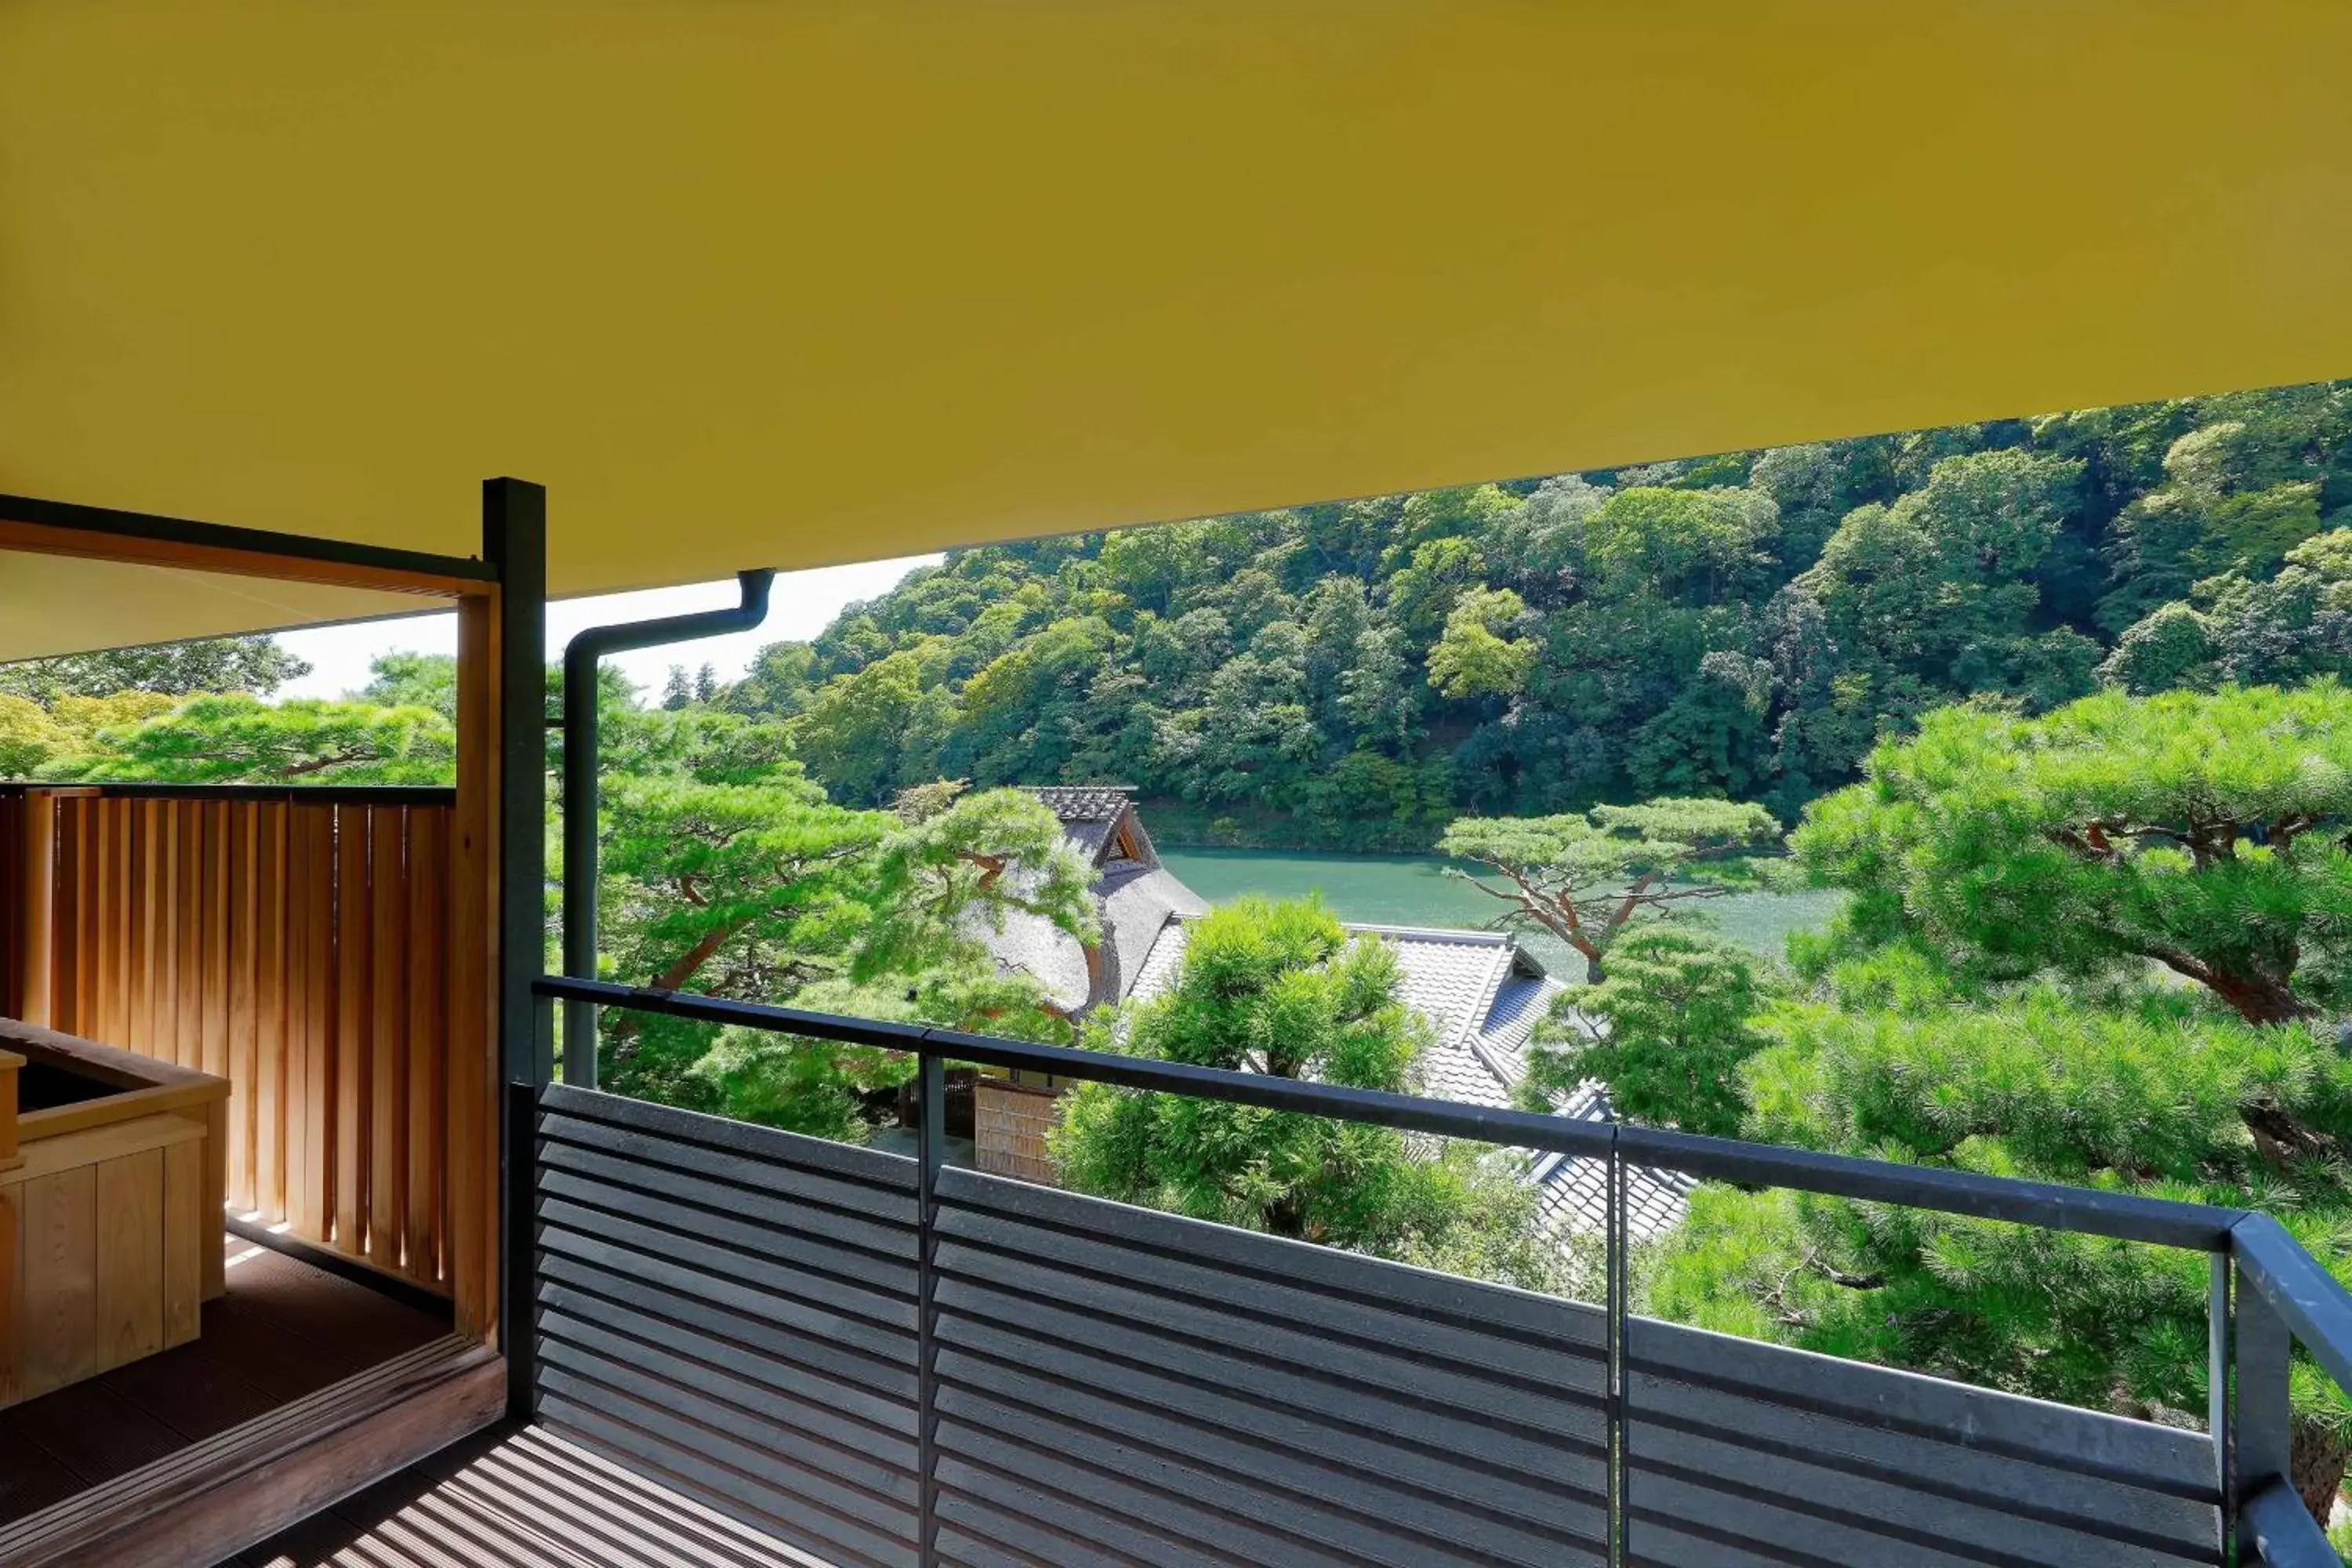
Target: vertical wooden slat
244,906
212,1262
354,1017
60,1319
105,1021
184,1242
36,936
166,1045
129,1258
90,964
12,907
473,1076
97,956
387,1038
296,1078
309,1078
73,933
11,1064
123,889
428,904
11,1294
213,936
188,904
272,985
144,992
63,911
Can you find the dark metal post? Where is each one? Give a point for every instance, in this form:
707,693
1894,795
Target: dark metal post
580,787
2217,1388
932,1099
2261,1429
514,542
1619,1548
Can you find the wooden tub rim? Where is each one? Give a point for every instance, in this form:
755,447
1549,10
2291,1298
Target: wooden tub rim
148,1086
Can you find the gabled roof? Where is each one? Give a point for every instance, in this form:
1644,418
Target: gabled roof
1092,816
1135,898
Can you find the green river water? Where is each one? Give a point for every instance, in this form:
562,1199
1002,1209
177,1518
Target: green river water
1414,890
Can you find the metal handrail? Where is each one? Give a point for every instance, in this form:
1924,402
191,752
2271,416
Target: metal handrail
2201,1227
2268,1291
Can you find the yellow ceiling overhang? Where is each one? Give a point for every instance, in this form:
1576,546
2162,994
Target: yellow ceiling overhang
795,283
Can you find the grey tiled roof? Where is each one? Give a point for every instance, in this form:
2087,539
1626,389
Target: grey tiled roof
1134,899
1137,902
1085,802
1576,1188
1519,1005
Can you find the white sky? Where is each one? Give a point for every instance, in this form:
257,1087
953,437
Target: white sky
798,608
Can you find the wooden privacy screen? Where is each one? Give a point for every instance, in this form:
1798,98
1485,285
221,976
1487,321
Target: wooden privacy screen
298,948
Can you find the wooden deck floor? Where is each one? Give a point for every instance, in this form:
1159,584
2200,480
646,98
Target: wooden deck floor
520,1499
284,1330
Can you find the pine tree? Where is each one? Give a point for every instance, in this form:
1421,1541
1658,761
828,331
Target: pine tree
1283,989
1584,877
2199,832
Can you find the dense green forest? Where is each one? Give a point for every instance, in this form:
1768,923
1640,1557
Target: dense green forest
1354,674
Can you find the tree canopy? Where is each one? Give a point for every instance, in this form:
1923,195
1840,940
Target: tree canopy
1666,1030
2201,832
2098,945
1283,989
1356,675
255,665
1585,877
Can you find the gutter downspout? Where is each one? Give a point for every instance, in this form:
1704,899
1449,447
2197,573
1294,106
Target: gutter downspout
580,725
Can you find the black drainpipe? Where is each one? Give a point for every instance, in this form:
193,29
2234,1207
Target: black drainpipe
580,807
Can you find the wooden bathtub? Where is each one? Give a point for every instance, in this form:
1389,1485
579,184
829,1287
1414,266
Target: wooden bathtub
113,1171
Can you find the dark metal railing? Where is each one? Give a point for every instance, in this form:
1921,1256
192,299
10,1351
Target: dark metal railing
2267,1293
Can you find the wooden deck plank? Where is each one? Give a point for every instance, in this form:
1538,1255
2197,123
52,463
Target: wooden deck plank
31,1478
93,1431
521,1498
284,1331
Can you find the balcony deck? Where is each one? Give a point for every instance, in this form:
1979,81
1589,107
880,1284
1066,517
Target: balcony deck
284,1331
520,1499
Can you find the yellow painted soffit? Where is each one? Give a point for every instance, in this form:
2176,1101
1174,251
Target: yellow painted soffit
52,604
796,283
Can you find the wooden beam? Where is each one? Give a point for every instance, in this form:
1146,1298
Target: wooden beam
172,549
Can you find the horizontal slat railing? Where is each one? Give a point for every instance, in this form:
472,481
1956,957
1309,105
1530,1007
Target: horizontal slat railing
1117,1385
734,1310
1096,1383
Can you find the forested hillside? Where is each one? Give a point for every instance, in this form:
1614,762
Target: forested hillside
1354,674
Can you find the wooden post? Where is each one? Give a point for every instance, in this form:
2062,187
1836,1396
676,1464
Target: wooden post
471,1217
